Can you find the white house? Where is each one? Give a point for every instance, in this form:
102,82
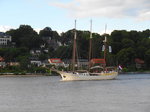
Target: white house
4,39
38,63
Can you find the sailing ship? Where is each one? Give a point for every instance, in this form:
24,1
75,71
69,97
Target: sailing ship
84,74
103,70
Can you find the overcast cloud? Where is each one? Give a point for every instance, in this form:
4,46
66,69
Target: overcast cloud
138,9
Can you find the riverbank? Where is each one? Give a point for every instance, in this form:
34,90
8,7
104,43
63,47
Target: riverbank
27,74
134,72
54,74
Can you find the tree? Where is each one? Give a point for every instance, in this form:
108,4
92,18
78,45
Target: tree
24,62
49,37
25,36
128,43
46,32
43,57
147,58
126,56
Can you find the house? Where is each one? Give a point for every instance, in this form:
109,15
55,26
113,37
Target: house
35,62
2,63
35,52
81,63
4,39
14,64
96,61
56,61
49,38
139,63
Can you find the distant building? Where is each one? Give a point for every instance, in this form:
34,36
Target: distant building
81,63
14,64
37,63
2,63
56,62
139,63
35,52
100,62
50,39
5,39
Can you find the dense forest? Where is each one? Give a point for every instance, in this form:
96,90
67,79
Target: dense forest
126,45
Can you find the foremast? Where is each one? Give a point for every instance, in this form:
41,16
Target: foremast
74,49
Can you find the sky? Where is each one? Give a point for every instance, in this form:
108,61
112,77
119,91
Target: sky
60,14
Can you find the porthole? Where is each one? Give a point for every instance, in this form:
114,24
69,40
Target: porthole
64,76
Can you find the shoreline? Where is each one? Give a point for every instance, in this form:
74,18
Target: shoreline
134,72
27,74
48,74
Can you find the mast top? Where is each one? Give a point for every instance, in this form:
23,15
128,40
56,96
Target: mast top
91,29
75,35
105,34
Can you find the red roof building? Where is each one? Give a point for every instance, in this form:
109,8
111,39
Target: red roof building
1,59
139,61
56,61
101,61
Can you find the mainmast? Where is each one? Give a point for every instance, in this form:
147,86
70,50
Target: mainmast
74,49
90,44
105,45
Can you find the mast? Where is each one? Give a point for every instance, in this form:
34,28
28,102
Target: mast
74,49
90,44
105,41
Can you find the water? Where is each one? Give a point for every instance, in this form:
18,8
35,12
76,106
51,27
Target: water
128,93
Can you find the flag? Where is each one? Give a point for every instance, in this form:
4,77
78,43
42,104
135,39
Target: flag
120,67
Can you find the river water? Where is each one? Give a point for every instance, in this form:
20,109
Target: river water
128,93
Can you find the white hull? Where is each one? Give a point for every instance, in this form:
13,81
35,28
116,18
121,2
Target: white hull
86,76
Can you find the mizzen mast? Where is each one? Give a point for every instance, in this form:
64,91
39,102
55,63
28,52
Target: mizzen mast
90,44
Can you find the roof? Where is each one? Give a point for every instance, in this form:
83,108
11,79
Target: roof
54,60
102,61
1,59
2,34
139,61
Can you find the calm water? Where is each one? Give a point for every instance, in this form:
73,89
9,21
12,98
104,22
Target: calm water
128,93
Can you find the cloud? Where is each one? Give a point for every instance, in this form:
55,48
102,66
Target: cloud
109,8
144,15
5,28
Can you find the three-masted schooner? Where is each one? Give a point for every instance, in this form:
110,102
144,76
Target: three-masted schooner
85,75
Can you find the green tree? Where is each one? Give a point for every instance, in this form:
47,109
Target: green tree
25,36
147,58
128,43
24,62
126,56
